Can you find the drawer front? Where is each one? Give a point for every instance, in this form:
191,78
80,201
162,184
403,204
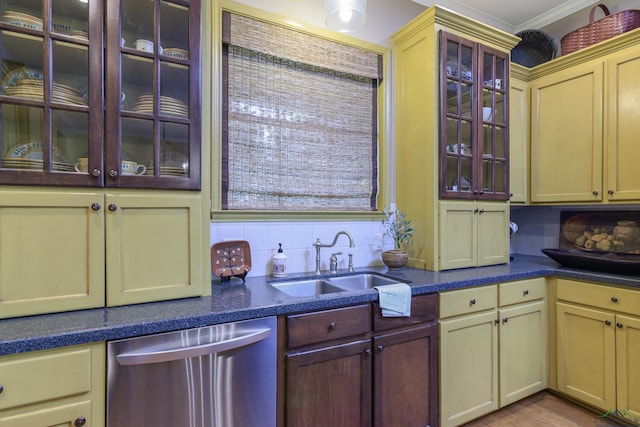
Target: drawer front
471,300
521,291
43,376
424,308
311,328
602,296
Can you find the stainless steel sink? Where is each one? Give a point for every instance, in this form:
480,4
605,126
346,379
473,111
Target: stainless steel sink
307,288
361,281
331,285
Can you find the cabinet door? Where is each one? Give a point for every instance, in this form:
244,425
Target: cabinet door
566,135
458,247
330,386
523,351
586,355
405,377
56,416
153,247
627,351
51,252
518,141
623,126
468,368
152,98
492,233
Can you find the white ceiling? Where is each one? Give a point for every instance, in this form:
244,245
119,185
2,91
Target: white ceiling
514,15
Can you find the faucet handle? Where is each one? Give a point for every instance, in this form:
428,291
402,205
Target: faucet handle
333,255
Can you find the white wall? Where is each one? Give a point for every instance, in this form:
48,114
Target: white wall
297,240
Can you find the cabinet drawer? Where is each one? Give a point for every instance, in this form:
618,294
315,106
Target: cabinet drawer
43,376
521,291
608,297
424,308
469,300
311,328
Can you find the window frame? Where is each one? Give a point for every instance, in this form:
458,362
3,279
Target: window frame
384,100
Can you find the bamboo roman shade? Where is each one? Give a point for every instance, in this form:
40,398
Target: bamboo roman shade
299,120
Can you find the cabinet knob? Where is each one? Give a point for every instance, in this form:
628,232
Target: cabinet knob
1,388
113,207
476,210
472,302
332,326
96,172
610,192
526,292
113,173
481,211
619,325
505,320
510,195
367,352
614,299
80,421
607,322
496,322
95,206
380,348
594,192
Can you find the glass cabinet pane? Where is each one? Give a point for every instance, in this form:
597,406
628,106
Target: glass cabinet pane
174,30
70,73
174,154
137,25
22,66
22,146
137,84
137,146
24,14
174,90
70,138
71,18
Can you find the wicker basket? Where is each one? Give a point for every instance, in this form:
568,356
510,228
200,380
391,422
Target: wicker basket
535,48
595,32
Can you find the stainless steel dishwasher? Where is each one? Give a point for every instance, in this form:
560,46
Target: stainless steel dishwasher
214,376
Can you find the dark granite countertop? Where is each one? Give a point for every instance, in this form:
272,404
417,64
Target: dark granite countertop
255,298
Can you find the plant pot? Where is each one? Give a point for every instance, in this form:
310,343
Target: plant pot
395,259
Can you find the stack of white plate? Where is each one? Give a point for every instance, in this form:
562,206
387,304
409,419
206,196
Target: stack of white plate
168,106
20,19
176,52
34,89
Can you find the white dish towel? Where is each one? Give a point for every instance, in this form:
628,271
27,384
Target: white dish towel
395,300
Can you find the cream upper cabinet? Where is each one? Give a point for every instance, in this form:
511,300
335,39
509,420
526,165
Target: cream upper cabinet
424,130
584,123
472,234
518,136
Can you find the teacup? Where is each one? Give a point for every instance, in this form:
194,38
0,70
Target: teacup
487,114
82,165
146,45
132,168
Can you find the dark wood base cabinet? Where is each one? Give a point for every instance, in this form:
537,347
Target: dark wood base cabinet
353,367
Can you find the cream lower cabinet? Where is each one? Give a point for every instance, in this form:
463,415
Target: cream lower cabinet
58,249
473,234
491,356
54,388
598,346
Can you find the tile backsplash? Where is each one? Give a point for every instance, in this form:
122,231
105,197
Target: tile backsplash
297,240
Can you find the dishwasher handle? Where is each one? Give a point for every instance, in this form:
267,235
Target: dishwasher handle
145,357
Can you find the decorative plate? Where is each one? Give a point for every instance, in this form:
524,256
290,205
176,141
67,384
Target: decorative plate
33,150
14,76
232,258
599,261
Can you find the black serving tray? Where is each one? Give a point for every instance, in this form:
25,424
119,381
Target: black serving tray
599,261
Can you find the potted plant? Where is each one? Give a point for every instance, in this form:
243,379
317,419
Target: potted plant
398,227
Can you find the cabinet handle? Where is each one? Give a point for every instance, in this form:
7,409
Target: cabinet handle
472,302
380,348
113,173
332,326
614,299
80,421
619,325
113,207
96,172
594,192
95,206
526,292
607,322
610,192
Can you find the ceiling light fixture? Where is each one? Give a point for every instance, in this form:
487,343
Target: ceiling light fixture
346,16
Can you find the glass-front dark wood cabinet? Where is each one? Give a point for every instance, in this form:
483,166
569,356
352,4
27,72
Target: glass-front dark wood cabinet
100,93
474,120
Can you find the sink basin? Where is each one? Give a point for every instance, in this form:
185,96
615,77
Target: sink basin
361,281
331,285
307,288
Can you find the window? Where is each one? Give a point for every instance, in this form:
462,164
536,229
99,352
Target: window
300,120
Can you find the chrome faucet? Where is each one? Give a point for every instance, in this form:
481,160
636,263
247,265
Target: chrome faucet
334,261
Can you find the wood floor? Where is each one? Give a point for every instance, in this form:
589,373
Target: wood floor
544,409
